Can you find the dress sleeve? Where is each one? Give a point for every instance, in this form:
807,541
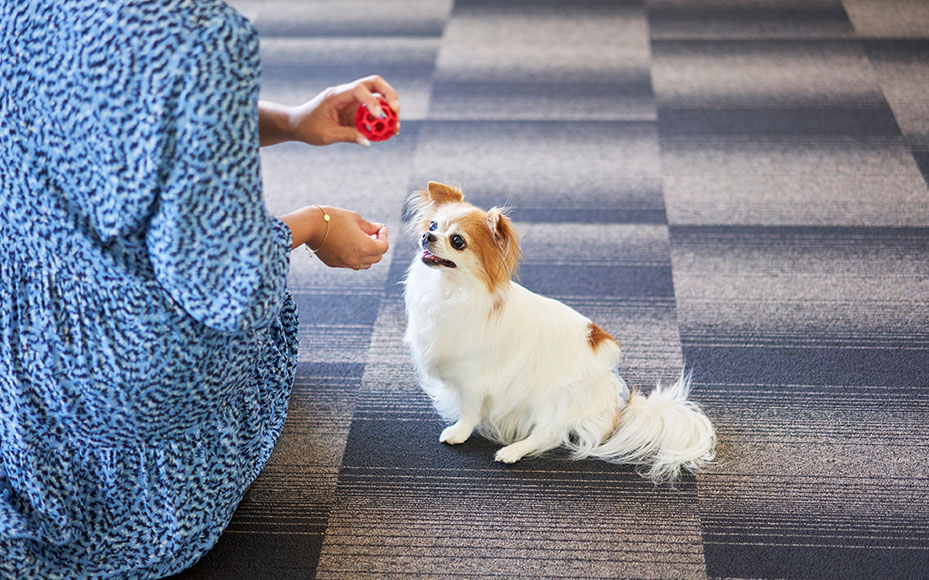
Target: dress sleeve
212,244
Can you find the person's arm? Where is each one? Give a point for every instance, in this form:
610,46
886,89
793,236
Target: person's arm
346,241
274,123
327,118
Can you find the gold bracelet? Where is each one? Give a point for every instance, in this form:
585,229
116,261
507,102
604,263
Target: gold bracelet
326,219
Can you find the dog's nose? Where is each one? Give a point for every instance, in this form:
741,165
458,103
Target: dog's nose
427,239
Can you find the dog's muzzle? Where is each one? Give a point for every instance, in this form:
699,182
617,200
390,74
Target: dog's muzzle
427,239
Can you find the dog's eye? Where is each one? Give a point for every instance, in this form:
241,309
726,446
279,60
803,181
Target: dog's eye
433,226
458,242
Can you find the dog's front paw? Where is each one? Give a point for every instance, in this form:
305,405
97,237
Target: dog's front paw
455,434
509,454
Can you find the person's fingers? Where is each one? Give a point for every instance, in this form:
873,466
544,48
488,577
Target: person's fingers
378,85
364,96
377,233
380,238
369,227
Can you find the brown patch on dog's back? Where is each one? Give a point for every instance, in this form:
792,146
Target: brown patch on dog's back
596,336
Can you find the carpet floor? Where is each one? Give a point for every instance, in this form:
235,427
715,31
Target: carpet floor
735,186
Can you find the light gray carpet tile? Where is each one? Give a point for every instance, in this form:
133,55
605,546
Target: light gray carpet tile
549,171
301,18
781,181
489,523
889,18
514,61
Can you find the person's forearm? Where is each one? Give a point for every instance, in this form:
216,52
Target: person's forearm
307,226
274,123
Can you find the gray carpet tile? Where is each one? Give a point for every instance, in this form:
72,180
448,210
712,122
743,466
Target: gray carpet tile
504,60
326,18
575,171
889,18
296,68
801,180
747,19
734,186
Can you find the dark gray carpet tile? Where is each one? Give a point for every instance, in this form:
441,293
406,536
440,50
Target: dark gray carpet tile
295,69
889,18
792,180
836,122
548,171
712,19
356,18
504,61
267,556
921,156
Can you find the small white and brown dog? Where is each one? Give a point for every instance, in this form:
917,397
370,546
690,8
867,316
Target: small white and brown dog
527,371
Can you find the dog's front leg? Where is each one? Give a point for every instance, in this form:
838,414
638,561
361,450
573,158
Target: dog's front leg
534,443
468,420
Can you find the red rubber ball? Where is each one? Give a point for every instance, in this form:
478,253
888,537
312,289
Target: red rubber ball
373,128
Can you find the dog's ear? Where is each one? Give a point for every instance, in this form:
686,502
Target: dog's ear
506,238
439,193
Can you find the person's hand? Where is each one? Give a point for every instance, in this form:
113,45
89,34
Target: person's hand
352,242
330,116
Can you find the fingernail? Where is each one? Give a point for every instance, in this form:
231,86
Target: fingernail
379,112
363,141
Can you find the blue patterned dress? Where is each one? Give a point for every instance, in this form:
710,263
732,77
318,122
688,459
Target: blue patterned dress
147,342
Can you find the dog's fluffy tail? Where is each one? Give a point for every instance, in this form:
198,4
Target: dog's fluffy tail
663,433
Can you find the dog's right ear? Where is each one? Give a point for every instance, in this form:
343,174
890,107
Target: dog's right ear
439,193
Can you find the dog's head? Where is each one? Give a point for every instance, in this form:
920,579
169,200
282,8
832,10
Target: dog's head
462,239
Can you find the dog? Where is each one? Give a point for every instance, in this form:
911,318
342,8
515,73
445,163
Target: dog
527,371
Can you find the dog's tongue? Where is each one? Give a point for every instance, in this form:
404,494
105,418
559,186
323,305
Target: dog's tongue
430,257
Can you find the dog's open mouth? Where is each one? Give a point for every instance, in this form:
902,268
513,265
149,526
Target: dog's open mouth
431,259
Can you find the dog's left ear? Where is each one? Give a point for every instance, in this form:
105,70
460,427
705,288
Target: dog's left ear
506,239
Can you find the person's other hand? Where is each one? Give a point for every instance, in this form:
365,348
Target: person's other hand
353,242
330,116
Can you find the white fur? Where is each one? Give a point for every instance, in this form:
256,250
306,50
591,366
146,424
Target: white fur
520,368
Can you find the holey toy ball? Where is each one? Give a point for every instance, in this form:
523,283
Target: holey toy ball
372,127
